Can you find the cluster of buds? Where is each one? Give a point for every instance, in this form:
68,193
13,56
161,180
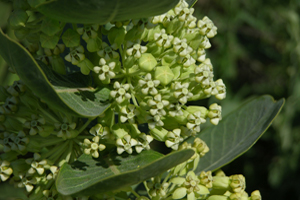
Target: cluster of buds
153,66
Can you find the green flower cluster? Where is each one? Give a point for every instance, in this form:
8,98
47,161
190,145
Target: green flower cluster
182,183
153,68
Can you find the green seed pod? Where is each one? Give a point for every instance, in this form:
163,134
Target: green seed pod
164,74
18,18
147,62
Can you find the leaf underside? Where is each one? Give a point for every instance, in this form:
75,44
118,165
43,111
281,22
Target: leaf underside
69,94
103,11
237,132
89,176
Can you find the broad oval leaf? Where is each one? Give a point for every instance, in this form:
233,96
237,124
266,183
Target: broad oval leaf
103,11
66,94
237,132
88,176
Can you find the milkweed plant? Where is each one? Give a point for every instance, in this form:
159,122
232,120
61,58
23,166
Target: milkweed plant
139,77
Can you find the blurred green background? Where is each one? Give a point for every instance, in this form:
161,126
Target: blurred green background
256,51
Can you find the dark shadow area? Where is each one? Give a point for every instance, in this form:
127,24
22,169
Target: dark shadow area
78,165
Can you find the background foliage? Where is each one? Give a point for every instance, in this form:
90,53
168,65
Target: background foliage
256,51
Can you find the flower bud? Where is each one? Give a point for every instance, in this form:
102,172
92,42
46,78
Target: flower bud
217,197
221,183
255,195
147,62
18,18
50,27
164,74
49,41
71,38
159,133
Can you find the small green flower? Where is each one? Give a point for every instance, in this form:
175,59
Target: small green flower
17,88
204,74
201,55
108,53
92,147
156,188
125,144
76,55
5,170
181,47
183,11
194,121
28,182
175,109
173,139
148,85
120,92
214,113
128,113
136,50
53,173
186,60
206,179
207,27
163,40
66,129
37,165
35,125
99,130
19,141
255,195
189,186
219,89
88,32
238,183
105,70
181,92
10,105
143,142
157,105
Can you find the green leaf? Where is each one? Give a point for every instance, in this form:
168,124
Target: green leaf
71,94
8,191
88,176
103,11
191,2
237,132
